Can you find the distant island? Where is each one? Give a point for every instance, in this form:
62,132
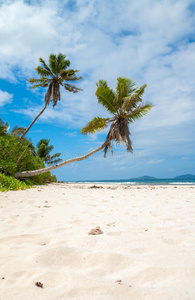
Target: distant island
149,178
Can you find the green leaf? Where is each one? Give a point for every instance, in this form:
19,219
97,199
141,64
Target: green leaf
71,88
139,112
106,96
43,72
33,80
131,102
53,63
124,87
141,90
94,125
45,66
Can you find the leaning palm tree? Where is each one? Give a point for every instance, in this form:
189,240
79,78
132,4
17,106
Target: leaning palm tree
52,77
125,106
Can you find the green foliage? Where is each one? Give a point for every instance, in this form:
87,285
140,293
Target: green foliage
125,105
106,96
139,112
18,156
54,75
10,183
44,150
3,128
95,125
124,88
17,131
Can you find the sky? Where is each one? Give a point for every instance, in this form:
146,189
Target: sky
151,42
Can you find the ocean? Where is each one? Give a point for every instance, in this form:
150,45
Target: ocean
141,182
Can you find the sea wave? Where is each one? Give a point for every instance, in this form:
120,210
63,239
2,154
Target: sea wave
107,182
160,182
183,183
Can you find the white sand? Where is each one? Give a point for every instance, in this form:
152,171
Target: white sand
146,251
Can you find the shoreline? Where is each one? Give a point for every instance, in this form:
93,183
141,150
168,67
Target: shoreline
119,185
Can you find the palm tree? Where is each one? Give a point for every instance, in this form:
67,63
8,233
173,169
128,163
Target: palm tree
4,129
17,131
125,105
52,77
44,150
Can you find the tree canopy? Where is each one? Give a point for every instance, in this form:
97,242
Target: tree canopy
53,76
124,105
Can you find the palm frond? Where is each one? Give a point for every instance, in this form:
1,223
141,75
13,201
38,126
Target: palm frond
71,88
43,72
139,112
42,82
106,96
119,91
125,86
62,62
131,102
141,90
95,125
17,131
51,159
69,75
53,63
45,66
34,80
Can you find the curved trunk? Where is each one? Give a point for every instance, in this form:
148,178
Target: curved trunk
26,174
29,127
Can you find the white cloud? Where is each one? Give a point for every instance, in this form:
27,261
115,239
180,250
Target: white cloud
149,41
5,98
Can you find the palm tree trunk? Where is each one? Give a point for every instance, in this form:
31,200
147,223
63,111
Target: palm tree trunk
29,127
19,159
25,174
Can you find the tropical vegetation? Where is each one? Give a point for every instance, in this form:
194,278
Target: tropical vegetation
44,150
10,183
124,105
17,156
53,76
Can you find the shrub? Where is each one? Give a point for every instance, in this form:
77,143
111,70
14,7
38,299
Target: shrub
10,183
18,156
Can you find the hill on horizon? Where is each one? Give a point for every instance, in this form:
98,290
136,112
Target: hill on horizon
180,177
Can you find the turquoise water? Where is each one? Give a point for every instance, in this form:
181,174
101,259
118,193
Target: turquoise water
141,182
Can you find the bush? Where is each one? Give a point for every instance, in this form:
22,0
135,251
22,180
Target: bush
10,183
18,156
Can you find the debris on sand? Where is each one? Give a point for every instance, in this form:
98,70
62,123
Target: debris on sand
96,187
95,231
39,284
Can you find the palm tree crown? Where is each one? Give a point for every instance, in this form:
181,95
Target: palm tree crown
54,75
44,150
125,105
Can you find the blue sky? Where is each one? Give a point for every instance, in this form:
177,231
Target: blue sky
152,42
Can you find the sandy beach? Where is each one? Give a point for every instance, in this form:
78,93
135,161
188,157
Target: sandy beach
146,250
